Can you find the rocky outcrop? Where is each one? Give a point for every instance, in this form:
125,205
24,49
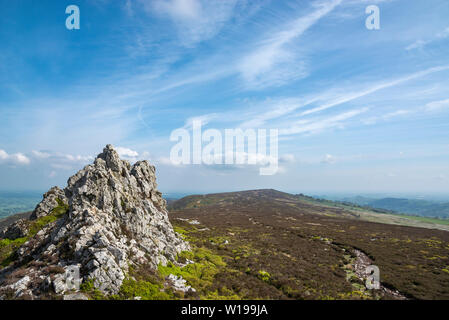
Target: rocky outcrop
179,284
18,229
116,217
49,202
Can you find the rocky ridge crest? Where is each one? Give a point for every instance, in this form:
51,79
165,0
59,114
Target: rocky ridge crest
109,217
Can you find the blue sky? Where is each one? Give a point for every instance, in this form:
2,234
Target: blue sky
357,110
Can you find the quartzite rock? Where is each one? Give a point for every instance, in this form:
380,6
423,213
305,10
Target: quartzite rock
48,203
116,218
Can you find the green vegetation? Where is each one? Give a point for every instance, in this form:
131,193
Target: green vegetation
364,210
264,276
426,219
8,247
424,208
88,288
143,289
280,246
200,274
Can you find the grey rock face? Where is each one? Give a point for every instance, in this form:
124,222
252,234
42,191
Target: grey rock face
116,218
179,284
18,229
48,203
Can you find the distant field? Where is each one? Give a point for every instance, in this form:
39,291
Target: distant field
423,208
11,203
430,220
381,215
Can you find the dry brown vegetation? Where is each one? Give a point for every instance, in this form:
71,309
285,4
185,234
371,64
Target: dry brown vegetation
278,247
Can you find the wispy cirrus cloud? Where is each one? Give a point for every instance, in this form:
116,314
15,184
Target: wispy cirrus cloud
272,63
320,124
195,20
333,97
420,44
387,116
374,88
437,105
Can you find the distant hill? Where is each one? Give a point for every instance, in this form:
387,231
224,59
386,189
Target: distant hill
269,197
17,202
400,205
197,201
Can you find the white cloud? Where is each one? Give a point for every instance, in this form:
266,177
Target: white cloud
20,158
387,116
41,154
272,63
77,158
437,105
126,153
3,155
145,155
329,159
396,114
166,161
374,88
318,125
195,20
330,99
16,158
180,9
275,109
205,119
61,161
287,158
419,44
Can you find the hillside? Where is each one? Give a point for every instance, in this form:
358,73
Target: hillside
111,222
418,207
15,202
321,206
280,246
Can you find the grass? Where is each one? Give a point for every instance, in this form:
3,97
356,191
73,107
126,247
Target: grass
149,284
426,219
89,289
9,247
200,274
264,276
146,290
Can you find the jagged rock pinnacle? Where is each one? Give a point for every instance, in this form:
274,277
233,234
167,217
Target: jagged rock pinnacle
111,157
115,217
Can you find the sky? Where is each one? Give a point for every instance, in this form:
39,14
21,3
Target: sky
357,110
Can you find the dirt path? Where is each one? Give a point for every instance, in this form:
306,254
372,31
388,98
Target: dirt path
362,261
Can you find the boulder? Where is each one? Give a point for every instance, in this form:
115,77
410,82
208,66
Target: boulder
18,229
